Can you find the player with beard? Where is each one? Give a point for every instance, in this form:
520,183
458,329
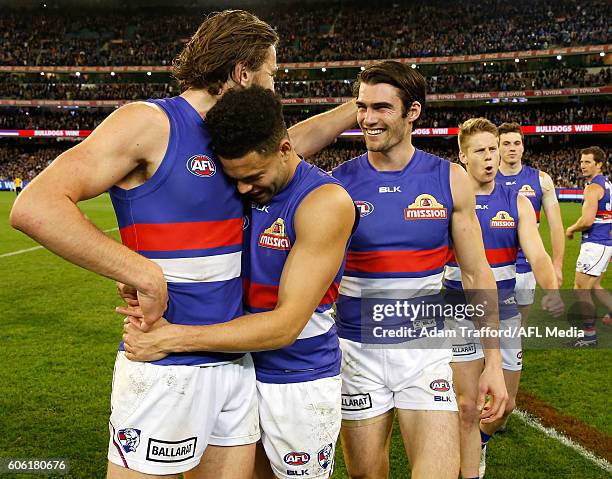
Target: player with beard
180,220
300,222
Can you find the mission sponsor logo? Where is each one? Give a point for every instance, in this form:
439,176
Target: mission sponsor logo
365,208
201,165
171,451
356,402
503,220
275,236
527,190
425,207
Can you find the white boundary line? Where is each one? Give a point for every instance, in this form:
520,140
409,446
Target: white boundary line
554,434
27,250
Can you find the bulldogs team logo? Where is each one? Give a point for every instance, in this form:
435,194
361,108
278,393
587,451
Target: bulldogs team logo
527,190
129,439
425,207
503,220
201,165
365,208
440,385
275,236
325,456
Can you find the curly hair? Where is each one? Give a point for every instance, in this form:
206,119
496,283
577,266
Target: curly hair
246,120
223,40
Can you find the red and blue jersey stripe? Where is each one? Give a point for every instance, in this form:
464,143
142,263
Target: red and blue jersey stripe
187,218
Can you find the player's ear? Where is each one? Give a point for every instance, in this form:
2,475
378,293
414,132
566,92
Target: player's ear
462,158
285,148
414,111
241,75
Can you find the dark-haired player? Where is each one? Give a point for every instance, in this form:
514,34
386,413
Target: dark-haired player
295,243
596,247
412,203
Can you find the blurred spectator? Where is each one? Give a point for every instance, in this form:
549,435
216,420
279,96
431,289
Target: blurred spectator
559,160
309,31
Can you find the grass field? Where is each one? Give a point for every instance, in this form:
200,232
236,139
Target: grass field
60,336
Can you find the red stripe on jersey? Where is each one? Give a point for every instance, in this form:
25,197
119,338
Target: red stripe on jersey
494,255
406,261
604,214
264,296
501,255
537,216
182,236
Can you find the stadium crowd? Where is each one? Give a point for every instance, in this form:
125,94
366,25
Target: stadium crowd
325,31
30,118
448,83
560,161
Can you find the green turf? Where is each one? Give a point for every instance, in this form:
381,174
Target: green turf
59,341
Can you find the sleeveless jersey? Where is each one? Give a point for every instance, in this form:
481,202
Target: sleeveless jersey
402,240
599,232
268,241
187,218
527,183
498,217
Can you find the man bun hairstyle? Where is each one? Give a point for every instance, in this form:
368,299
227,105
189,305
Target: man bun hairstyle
223,40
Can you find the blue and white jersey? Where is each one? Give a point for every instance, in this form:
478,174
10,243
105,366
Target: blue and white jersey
187,218
599,232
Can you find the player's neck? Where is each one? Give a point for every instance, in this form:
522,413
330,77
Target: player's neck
508,169
482,188
395,159
200,100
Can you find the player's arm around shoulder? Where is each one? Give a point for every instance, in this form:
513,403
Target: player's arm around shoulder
323,224
467,235
130,137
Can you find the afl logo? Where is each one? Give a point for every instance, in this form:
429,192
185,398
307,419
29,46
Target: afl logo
440,385
201,165
365,208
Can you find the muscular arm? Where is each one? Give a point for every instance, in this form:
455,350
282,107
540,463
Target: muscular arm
532,245
313,134
592,194
47,210
323,224
550,204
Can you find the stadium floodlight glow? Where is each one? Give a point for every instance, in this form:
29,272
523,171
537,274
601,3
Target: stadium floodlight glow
559,57
602,54
286,70
78,74
362,68
413,65
42,74
148,74
112,74
323,69
516,60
